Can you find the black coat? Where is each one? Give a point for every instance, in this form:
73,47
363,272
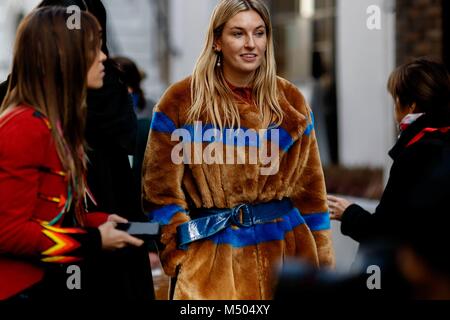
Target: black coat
419,182
3,89
111,132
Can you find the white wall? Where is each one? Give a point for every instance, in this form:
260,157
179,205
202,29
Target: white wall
189,22
133,32
9,12
132,27
6,35
365,59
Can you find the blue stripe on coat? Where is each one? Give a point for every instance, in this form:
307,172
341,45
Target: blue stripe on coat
236,137
164,214
162,123
230,136
286,140
227,136
261,232
318,221
310,127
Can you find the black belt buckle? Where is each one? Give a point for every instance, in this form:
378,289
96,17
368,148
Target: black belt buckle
247,216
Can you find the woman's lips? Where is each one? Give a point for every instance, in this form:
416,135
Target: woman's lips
249,57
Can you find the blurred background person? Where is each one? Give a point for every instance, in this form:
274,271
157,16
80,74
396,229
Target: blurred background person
132,77
411,263
422,244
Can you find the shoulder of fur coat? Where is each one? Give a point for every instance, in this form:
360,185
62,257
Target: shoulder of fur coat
177,100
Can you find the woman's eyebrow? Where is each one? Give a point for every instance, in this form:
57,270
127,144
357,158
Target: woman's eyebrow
240,28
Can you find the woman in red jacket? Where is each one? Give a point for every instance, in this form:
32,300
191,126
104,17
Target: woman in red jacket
43,223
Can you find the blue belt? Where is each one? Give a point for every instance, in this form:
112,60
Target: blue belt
212,221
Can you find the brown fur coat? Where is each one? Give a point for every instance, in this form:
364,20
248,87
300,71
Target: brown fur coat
237,263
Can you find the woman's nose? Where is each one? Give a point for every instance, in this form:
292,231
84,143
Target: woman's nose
103,56
250,42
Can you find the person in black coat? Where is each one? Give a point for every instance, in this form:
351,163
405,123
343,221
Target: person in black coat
407,236
111,131
421,91
412,262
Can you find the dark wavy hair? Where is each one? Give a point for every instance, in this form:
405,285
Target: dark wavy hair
132,77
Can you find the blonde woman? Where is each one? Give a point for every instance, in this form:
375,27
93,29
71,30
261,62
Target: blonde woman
231,210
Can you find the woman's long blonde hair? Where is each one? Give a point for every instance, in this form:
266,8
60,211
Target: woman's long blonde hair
209,90
49,73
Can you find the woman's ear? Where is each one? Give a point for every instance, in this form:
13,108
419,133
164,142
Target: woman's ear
217,45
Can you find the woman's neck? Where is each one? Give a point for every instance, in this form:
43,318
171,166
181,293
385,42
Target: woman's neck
238,80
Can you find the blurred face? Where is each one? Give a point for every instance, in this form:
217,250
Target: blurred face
96,72
243,44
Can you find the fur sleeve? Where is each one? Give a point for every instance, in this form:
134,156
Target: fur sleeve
163,196
309,193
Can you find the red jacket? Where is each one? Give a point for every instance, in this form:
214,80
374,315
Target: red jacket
33,192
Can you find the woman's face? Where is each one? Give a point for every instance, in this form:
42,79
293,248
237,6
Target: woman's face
243,44
96,72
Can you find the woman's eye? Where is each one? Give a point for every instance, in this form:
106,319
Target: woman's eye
260,33
237,34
